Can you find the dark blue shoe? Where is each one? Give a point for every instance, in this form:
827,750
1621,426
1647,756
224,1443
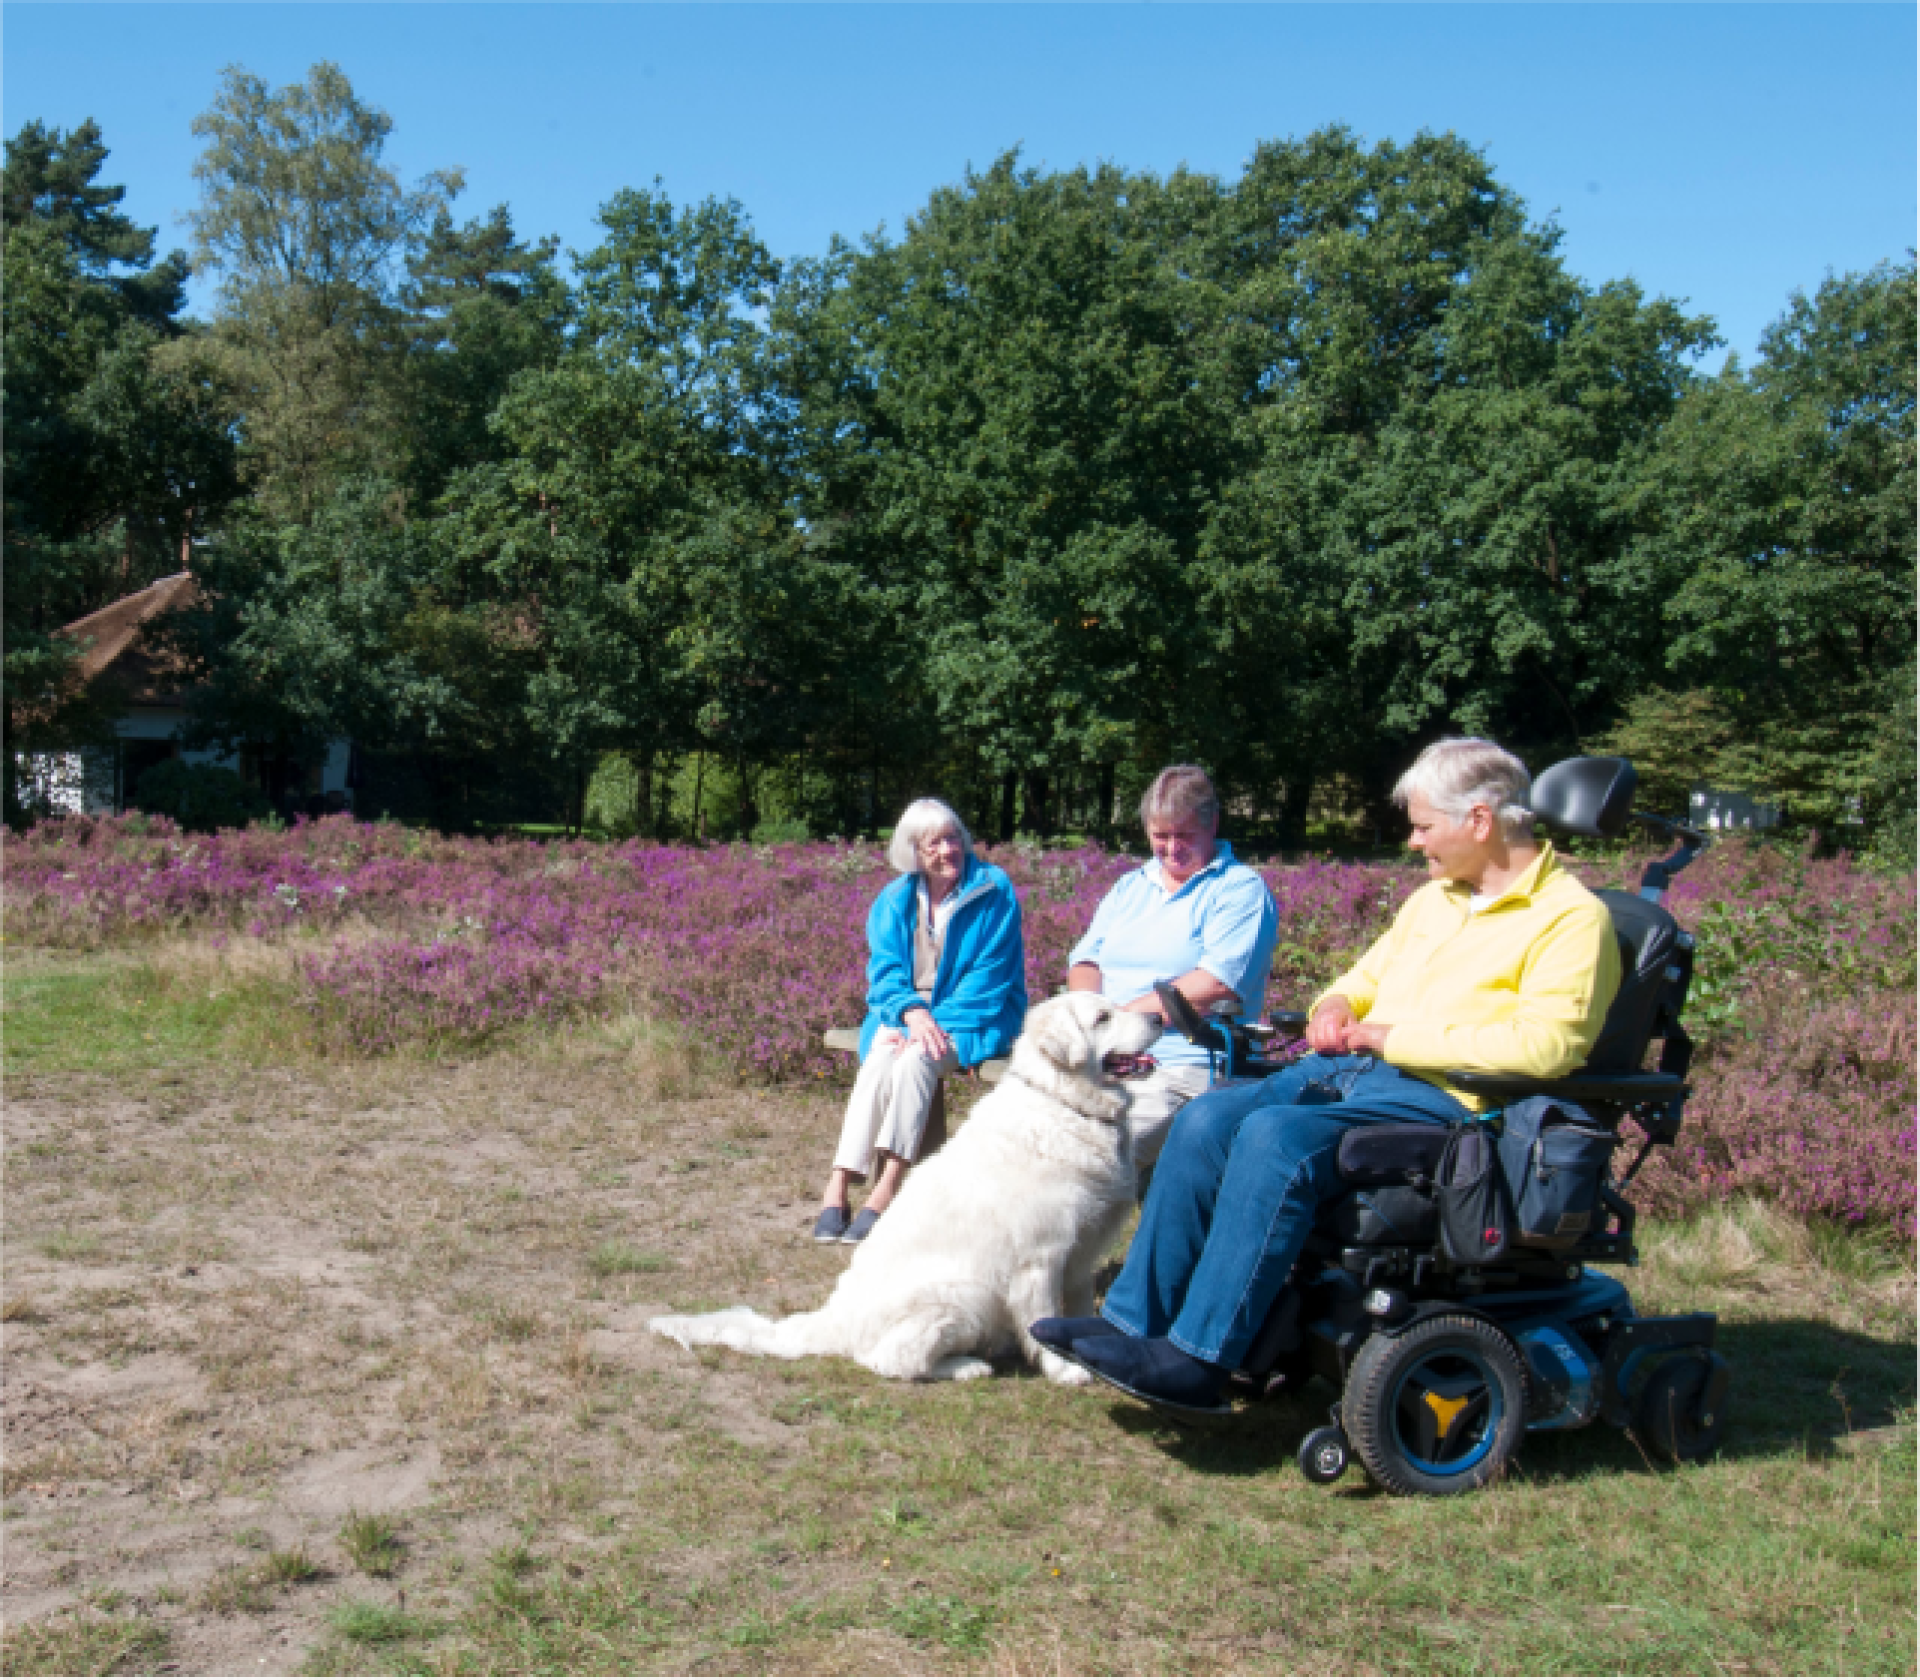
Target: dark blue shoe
1156,1373
831,1226
862,1226
1059,1334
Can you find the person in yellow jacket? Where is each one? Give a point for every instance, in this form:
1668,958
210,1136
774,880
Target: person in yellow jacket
1501,963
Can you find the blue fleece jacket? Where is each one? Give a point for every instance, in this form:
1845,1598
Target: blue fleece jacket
980,988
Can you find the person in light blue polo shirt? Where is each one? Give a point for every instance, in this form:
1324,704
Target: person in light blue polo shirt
1192,915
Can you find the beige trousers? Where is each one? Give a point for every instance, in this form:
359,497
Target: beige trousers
1152,1103
890,1103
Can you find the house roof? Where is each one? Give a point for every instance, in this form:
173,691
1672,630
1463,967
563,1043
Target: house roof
113,641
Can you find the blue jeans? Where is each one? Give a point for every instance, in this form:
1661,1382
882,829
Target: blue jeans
1234,1195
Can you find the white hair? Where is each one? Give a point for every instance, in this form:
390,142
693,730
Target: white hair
923,820
1461,772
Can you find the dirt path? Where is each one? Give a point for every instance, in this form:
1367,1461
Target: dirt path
242,1307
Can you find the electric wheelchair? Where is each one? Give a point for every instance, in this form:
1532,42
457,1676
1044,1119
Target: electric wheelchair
1443,1364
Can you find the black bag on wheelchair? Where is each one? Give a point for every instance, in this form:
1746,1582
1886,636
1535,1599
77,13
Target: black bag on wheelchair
1471,1193
1554,1156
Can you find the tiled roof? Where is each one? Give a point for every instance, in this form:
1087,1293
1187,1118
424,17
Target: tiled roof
113,641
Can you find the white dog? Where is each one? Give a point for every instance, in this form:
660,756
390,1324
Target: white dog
1002,1227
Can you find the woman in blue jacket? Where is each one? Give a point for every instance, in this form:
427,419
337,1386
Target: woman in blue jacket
946,989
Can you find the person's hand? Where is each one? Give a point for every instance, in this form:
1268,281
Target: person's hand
1332,1022
1148,1003
924,1034
889,1038
1367,1038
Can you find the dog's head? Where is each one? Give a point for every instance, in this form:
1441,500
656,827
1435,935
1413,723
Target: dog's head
1084,1034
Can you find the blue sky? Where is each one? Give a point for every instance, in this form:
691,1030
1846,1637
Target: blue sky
1722,154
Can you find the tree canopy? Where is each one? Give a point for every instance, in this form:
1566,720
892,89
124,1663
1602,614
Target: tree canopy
1081,471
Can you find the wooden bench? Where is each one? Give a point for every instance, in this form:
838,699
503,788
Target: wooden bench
988,1073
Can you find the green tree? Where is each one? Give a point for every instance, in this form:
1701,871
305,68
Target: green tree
338,626
1017,444
311,235
630,524
1778,524
482,307
1445,427
52,182
1893,772
116,434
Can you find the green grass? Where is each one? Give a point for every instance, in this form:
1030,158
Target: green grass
617,1259
1060,1524
289,1567
606,1504
372,1543
82,1644
1013,1524
368,1623
93,1014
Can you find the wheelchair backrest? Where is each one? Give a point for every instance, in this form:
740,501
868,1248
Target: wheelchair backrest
1654,969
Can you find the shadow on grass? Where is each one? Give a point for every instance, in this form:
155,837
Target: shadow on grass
1799,1386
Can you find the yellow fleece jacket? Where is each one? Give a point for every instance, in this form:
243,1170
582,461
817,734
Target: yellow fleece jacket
1519,986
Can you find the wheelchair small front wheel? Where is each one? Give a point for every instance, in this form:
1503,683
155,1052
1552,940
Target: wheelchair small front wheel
1324,1455
1438,1409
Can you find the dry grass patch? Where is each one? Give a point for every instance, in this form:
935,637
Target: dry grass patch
277,1304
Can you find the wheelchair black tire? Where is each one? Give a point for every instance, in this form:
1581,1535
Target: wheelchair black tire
1448,1351
1668,1420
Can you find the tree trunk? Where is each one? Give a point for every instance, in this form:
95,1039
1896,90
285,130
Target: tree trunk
1295,797
699,823
749,798
1103,821
1039,815
1009,791
644,793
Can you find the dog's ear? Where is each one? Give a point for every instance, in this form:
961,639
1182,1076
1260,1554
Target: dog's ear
1057,1033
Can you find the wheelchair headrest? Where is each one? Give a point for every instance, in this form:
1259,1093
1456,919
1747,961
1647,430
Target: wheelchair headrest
1592,797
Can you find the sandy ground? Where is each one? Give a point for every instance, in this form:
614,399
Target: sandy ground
243,1306
247,1309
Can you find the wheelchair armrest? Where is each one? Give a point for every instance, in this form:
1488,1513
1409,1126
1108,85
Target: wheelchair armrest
1625,1089
1287,1020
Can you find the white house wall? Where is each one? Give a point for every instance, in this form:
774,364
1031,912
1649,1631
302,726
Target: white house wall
87,782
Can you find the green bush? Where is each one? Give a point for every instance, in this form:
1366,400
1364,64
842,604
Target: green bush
199,797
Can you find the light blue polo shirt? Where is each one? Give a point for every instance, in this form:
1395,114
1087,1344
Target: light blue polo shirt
1222,919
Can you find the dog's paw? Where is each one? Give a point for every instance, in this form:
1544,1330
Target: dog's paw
1064,1372
960,1367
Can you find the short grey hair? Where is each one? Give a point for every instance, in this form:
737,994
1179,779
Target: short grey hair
1181,790
923,820
1461,772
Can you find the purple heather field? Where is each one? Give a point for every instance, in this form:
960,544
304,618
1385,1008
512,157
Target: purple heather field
1804,1009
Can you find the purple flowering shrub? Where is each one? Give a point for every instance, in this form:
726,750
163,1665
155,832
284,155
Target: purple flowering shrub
1803,1006
1812,1105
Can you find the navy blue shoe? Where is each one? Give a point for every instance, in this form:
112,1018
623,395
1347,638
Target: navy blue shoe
1156,1373
1058,1335
862,1226
831,1226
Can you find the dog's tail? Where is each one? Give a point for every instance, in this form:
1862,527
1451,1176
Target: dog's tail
747,1331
